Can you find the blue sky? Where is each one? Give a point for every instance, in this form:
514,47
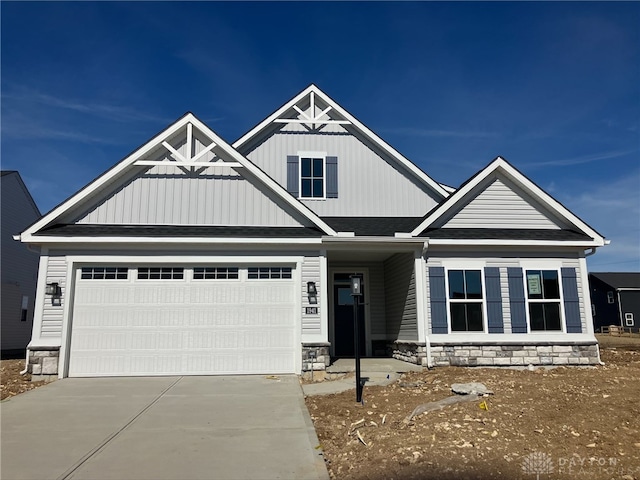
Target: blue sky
552,87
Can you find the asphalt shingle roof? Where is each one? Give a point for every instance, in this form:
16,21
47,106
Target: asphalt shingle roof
503,234
619,279
79,230
373,226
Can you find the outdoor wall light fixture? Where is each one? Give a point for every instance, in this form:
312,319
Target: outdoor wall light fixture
55,291
311,288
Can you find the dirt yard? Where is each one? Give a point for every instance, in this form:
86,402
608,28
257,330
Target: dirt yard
561,423
12,383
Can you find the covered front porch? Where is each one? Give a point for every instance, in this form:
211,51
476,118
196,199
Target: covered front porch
391,311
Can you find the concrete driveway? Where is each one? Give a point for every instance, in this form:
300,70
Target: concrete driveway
173,428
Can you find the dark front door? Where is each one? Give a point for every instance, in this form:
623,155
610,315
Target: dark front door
343,317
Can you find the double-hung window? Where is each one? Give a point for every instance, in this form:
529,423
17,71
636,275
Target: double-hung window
543,297
466,300
312,176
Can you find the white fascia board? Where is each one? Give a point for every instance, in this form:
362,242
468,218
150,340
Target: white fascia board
437,187
499,164
185,259
498,242
53,240
266,179
104,178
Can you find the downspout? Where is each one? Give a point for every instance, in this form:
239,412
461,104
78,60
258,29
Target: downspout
427,342
26,363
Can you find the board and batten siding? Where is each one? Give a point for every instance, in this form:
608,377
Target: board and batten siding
400,297
501,205
366,181
311,324
492,260
53,315
168,196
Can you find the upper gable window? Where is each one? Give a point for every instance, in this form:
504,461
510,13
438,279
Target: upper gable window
312,175
312,178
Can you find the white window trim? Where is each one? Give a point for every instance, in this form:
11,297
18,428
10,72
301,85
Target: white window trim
539,266
611,299
464,266
311,154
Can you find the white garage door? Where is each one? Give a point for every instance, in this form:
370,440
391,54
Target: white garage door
176,320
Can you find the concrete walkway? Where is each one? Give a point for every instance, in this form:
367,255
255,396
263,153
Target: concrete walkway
374,371
162,428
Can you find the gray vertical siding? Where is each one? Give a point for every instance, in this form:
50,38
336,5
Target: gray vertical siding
166,195
400,297
501,205
366,181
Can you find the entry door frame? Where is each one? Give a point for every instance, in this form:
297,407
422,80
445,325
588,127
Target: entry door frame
364,271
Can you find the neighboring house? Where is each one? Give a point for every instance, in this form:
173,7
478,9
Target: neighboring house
194,256
19,265
615,299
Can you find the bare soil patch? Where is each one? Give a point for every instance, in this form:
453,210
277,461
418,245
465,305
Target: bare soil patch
11,382
560,423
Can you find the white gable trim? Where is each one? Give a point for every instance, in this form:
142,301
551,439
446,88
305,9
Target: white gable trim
313,90
504,167
188,119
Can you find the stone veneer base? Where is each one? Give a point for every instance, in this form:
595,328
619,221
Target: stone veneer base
315,356
471,355
43,363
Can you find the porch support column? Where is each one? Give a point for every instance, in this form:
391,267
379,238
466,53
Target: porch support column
420,272
421,292
324,297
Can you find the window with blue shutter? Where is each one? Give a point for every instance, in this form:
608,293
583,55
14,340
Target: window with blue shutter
312,175
495,321
332,177
517,300
293,175
571,300
438,297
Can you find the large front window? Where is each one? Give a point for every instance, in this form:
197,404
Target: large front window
311,177
543,296
465,300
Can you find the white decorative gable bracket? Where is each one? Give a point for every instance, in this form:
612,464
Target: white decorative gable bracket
312,119
189,158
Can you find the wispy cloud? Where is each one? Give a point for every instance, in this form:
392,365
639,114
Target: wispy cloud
112,112
37,132
581,159
612,208
421,132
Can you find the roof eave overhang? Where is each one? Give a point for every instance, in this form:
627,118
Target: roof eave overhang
364,239
515,243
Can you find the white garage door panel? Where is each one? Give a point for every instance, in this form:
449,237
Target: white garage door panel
183,327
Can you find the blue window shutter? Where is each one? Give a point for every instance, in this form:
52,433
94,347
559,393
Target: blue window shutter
332,177
293,175
571,300
495,322
438,294
517,300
